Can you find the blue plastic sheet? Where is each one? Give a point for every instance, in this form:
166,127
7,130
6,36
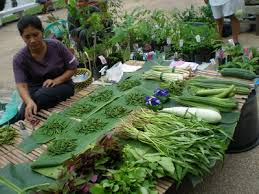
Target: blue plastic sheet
11,109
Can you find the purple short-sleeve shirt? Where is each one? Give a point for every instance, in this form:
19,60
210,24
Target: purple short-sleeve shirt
57,60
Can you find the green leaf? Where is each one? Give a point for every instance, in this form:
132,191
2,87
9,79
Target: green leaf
52,172
116,188
22,176
97,189
168,165
152,157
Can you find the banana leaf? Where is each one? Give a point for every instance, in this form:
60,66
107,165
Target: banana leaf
22,176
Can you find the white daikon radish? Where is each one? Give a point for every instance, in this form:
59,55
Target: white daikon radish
205,114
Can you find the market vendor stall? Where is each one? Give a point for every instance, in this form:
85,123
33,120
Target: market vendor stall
39,148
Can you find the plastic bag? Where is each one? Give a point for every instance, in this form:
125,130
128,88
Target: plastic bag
115,73
57,29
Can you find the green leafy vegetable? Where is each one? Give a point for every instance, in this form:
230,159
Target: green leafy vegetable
136,98
55,124
78,109
91,125
116,111
7,135
102,96
128,84
192,145
61,146
175,87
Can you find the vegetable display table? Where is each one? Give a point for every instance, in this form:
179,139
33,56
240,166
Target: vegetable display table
12,153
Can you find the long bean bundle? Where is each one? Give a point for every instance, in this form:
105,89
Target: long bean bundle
193,145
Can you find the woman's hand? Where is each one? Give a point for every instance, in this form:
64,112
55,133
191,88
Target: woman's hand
30,110
206,1
49,83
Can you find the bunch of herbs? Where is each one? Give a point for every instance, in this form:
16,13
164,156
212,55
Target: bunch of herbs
175,88
192,144
79,108
61,146
91,125
55,124
101,96
136,98
82,172
128,84
116,111
7,134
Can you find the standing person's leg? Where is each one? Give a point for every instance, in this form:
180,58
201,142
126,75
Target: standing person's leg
14,3
220,23
235,28
229,11
217,12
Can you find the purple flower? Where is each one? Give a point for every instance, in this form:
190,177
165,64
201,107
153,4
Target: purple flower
221,54
152,101
109,136
85,188
94,178
71,168
161,92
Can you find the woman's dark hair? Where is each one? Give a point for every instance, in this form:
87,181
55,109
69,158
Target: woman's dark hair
29,20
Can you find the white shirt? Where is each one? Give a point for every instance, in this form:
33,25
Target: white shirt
218,2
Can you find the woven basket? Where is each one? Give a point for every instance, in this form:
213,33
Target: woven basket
80,85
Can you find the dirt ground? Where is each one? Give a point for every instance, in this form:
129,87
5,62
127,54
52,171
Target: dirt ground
240,172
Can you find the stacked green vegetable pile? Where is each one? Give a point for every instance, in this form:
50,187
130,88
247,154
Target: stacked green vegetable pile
192,145
211,93
7,135
240,62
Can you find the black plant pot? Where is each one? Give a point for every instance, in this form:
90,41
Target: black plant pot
114,58
112,61
203,55
95,72
188,57
222,61
246,134
227,30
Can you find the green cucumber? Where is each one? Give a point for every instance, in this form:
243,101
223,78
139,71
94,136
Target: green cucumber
238,73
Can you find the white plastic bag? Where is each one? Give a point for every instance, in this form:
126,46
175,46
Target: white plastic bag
115,73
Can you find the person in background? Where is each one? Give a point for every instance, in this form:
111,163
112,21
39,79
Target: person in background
14,3
2,4
225,8
42,69
47,5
